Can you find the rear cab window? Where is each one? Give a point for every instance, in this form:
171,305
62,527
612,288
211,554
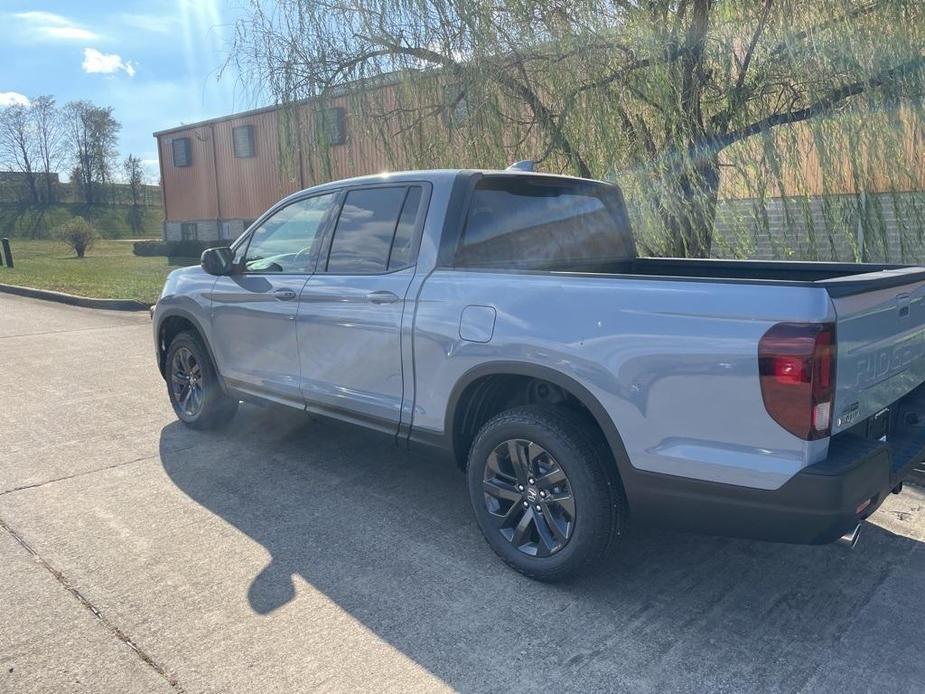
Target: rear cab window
544,223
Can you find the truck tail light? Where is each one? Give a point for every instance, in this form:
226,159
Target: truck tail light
796,364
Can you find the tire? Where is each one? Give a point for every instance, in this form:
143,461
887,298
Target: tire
571,447
207,407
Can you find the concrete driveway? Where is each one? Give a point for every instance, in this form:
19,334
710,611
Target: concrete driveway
289,554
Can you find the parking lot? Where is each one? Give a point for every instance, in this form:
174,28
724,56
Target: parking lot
293,554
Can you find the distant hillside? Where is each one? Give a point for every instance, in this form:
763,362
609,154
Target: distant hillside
13,189
111,221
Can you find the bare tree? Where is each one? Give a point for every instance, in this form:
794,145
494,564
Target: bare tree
134,177
91,134
662,88
46,126
17,145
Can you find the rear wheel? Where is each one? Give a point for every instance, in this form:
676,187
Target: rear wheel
193,387
539,485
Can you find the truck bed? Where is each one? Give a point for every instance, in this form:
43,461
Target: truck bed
841,279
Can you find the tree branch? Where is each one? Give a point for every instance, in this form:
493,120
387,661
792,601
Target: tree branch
692,77
824,105
806,33
671,54
543,114
721,120
746,61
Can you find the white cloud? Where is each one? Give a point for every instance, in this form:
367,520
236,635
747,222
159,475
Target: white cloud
106,63
68,33
13,99
44,18
48,25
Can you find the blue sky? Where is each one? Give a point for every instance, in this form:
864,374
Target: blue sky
155,63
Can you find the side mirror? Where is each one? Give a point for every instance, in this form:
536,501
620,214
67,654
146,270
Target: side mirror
217,261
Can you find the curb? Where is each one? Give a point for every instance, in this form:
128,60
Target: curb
72,300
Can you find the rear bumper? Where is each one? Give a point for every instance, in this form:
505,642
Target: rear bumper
818,505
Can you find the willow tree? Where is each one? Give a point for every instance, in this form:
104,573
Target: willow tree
658,90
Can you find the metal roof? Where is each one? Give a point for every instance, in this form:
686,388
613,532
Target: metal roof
334,92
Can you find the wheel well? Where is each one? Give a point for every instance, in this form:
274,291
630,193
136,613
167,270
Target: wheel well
170,328
489,395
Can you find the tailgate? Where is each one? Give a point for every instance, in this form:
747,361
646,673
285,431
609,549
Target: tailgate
881,348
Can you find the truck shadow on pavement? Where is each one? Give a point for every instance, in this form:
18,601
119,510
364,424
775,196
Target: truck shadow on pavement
388,536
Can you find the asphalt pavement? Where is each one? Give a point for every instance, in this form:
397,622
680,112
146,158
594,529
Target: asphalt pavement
292,554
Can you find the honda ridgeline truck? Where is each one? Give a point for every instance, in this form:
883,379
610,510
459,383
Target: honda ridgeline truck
505,318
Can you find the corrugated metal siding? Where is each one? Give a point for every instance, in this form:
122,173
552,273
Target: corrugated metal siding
248,186
807,171
189,191
363,152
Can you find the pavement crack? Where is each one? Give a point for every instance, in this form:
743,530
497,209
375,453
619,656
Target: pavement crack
36,485
83,600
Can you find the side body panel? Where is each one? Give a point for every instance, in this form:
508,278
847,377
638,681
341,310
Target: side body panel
354,332
187,293
254,334
673,363
349,333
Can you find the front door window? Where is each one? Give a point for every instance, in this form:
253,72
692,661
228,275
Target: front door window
286,243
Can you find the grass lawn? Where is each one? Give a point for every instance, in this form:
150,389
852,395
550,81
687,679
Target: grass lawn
109,270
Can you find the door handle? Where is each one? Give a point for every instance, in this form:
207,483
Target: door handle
382,297
284,294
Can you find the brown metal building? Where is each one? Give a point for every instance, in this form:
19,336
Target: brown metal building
219,175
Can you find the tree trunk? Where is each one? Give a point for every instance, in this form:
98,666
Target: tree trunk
33,188
690,213
88,189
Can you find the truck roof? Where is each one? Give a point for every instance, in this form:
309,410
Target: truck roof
431,175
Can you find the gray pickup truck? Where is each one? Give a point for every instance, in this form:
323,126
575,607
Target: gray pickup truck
505,318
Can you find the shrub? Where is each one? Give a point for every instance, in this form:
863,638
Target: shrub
149,248
78,234
172,249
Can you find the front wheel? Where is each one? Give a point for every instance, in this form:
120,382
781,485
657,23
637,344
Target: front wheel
192,384
539,485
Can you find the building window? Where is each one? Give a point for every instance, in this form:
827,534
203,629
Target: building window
456,107
182,152
330,126
189,231
242,138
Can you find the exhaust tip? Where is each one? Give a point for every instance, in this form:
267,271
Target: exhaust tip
850,539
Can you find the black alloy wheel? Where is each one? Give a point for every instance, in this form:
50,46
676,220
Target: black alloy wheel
545,491
186,381
529,497
193,384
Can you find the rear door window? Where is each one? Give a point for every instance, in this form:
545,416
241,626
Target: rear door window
540,223
403,247
375,231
